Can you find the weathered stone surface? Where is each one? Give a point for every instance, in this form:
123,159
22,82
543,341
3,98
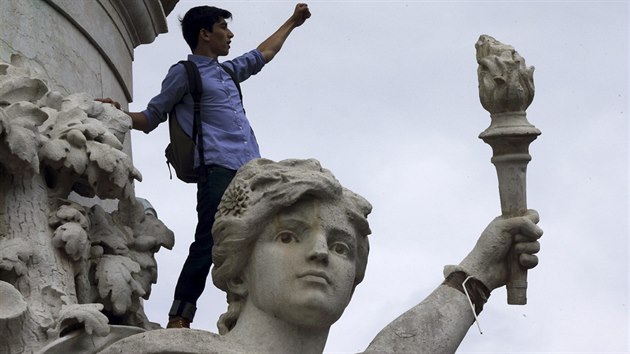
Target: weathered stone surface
291,241
87,343
506,89
55,146
13,304
176,341
92,41
70,266
506,84
290,247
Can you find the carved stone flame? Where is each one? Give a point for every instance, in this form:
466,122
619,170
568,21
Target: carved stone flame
506,84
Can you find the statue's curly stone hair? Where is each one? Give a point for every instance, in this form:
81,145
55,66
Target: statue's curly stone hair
260,190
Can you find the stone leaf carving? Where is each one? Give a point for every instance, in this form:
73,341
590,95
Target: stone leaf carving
71,212
16,85
79,139
148,275
110,171
149,232
116,122
149,235
121,260
19,138
14,256
116,285
106,234
84,152
506,84
88,316
70,233
19,117
72,238
65,262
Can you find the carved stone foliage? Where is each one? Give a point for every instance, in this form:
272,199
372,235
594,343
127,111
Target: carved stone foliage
64,266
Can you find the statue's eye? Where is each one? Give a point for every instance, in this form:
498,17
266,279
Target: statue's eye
340,248
287,237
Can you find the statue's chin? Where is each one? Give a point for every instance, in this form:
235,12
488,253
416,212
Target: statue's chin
313,312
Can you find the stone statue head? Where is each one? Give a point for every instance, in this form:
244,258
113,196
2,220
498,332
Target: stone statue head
279,203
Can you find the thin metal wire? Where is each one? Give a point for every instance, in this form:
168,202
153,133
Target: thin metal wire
472,307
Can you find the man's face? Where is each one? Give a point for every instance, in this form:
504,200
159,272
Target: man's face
219,39
302,268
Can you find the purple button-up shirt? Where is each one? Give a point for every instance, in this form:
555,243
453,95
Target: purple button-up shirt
229,140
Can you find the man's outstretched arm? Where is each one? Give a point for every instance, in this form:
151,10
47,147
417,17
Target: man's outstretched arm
272,45
139,120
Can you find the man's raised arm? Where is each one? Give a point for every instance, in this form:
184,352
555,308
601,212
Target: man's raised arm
272,45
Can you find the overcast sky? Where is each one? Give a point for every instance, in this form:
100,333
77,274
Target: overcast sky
384,94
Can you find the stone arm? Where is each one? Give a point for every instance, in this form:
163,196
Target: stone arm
272,45
439,323
436,325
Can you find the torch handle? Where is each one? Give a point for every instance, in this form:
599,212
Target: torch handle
517,281
511,171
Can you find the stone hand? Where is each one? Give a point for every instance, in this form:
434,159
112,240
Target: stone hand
488,261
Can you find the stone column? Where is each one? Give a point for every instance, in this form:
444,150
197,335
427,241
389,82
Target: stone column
82,46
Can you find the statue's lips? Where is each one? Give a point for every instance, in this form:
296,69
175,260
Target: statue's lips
315,275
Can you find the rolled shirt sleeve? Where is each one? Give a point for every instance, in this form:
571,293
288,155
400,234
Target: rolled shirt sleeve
174,87
246,65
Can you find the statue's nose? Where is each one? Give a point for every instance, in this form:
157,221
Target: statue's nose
319,248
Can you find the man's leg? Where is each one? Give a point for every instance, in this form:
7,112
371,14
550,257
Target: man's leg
192,278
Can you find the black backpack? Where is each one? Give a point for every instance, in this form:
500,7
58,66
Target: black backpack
180,152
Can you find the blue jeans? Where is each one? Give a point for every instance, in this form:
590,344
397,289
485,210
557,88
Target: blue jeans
192,279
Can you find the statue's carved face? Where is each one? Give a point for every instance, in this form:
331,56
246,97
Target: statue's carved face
303,266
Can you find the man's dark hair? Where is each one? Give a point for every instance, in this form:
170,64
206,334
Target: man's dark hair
200,17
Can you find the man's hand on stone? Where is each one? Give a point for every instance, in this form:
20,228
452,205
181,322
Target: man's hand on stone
108,100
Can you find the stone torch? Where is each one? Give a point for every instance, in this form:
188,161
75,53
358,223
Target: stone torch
506,89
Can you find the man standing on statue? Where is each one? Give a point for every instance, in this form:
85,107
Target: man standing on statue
229,141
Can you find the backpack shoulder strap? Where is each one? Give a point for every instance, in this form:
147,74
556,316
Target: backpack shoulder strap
233,76
196,88
194,79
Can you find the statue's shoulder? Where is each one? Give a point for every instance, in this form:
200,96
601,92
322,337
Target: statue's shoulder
172,341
